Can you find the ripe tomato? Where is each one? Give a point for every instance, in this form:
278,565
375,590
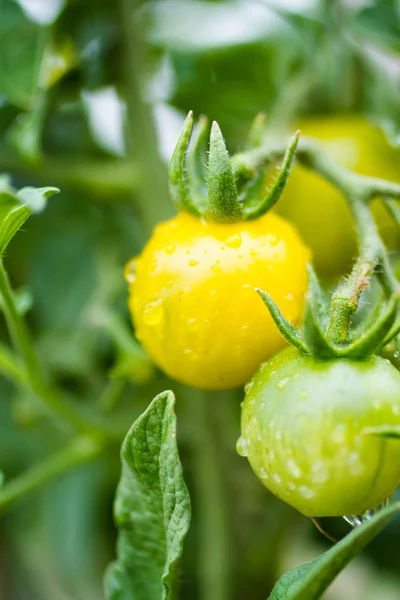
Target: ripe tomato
193,301
305,430
318,210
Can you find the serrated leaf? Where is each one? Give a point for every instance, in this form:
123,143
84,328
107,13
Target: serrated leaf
152,508
309,582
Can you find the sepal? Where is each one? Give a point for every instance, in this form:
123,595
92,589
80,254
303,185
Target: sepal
288,331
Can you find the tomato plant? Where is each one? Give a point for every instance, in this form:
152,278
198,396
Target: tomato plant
318,209
192,288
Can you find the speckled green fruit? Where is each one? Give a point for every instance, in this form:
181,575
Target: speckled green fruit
306,432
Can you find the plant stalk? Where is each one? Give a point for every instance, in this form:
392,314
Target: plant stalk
77,452
213,530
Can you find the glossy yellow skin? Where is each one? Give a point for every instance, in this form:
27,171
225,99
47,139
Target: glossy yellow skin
318,210
193,301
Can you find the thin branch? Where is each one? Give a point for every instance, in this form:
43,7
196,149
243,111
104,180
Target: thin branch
79,451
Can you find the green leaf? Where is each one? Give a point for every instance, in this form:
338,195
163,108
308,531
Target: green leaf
12,216
16,207
21,54
310,581
223,202
152,508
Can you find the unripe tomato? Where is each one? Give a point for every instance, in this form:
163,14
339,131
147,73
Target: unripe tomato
317,208
305,430
193,301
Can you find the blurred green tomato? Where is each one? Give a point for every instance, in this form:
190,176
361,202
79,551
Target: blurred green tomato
318,210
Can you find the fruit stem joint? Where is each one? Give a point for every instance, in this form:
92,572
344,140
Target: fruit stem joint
217,192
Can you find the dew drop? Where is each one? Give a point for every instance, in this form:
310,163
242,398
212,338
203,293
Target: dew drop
170,249
291,486
248,289
130,271
396,354
273,240
153,312
190,354
263,473
241,447
193,263
248,386
293,468
192,325
216,269
253,253
282,383
277,478
356,467
235,241
306,492
319,472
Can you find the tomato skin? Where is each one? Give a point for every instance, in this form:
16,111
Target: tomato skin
303,430
317,208
193,301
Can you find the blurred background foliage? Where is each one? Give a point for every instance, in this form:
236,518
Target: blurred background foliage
92,98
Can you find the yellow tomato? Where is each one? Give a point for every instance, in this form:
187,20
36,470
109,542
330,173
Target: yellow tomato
318,210
193,302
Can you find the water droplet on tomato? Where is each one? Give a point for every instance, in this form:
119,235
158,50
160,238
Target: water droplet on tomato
193,263
241,447
192,325
216,269
248,386
273,240
293,468
356,467
235,241
248,289
306,492
170,249
319,472
263,473
130,271
190,354
282,383
277,478
153,312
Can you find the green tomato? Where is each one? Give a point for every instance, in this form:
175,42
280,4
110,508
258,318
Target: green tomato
306,429
318,210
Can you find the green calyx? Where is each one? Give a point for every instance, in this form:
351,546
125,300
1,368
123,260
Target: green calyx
213,188
317,335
